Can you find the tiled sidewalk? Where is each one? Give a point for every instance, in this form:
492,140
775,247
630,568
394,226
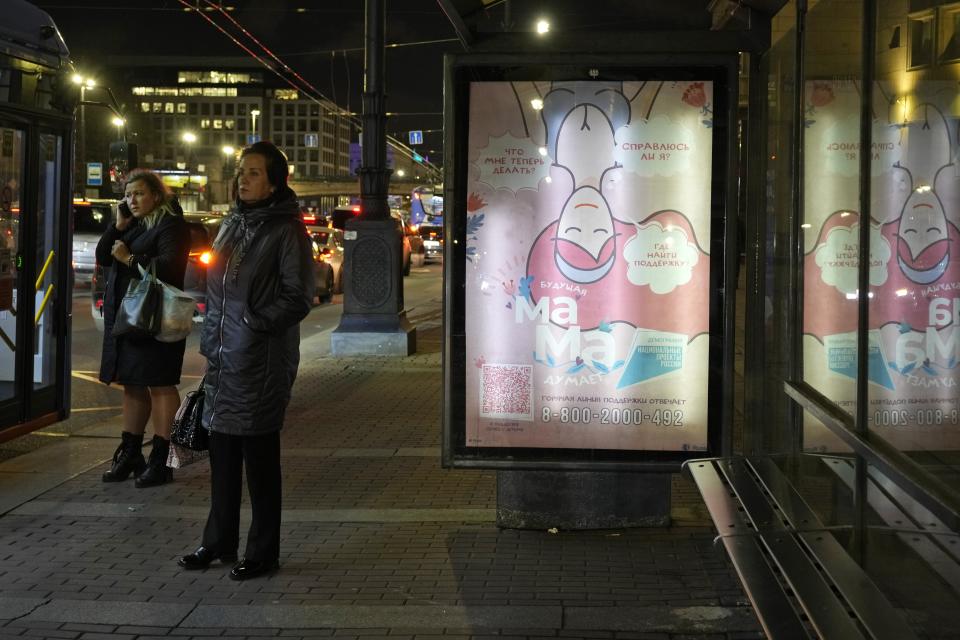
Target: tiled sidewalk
378,541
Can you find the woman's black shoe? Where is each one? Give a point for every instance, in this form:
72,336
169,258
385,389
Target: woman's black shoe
203,556
247,569
157,472
127,458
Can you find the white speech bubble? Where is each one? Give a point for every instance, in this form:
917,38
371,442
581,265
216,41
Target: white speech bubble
512,163
838,258
657,147
840,147
661,258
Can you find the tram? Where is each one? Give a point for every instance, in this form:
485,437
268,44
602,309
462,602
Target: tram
37,101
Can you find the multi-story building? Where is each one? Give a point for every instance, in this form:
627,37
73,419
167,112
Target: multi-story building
223,104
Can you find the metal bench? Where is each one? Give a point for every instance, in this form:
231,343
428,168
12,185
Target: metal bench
801,581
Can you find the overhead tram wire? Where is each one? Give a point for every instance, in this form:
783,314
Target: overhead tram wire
394,45
323,101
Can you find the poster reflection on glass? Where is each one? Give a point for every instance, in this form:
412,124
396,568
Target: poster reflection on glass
913,359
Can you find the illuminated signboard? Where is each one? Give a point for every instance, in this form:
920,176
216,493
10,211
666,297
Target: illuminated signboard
587,269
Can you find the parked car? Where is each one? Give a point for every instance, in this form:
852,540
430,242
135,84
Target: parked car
418,252
413,251
432,241
90,219
329,243
203,229
323,274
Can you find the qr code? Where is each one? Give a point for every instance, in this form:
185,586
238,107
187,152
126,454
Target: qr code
506,391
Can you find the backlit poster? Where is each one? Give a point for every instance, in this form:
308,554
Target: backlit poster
587,293
914,295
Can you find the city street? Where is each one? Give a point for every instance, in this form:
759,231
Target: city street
93,402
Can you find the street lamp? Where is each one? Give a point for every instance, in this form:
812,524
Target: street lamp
254,114
119,122
81,157
189,137
229,157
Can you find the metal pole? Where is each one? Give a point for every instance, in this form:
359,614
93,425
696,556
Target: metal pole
374,175
81,171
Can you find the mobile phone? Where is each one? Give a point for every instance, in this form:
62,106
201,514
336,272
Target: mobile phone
123,210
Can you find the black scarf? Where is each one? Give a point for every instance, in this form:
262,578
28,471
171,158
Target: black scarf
245,219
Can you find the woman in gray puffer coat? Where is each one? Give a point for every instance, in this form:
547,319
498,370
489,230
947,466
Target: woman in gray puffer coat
259,287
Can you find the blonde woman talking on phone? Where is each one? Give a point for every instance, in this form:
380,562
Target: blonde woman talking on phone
149,228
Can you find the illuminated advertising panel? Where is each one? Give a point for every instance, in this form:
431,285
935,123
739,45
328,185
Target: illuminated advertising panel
913,363
587,266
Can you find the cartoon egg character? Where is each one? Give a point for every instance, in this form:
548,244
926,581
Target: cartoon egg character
585,246
923,244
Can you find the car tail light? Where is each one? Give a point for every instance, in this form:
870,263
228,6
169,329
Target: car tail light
309,218
202,307
204,257
99,304
356,210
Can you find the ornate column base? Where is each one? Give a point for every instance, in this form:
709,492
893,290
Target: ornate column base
373,321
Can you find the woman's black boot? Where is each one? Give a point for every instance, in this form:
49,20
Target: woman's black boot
127,458
157,471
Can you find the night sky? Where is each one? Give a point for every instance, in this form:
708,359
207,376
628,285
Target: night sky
322,40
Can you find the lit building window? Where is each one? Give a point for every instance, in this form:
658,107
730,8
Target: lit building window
229,124
168,107
145,107
157,107
220,92
190,91
143,91
181,107
218,77
218,124
205,123
286,94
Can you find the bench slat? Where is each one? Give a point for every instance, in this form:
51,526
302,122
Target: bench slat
938,552
774,610
865,598
798,512
827,615
756,504
772,605
880,619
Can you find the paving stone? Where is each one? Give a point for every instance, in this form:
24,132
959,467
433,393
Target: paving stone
378,539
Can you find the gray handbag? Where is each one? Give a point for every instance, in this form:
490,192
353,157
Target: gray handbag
140,309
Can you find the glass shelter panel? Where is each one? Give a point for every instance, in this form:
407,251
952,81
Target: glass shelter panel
12,175
914,389
831,218
773,242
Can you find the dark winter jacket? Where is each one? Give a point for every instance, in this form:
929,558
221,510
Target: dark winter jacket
251,334
138,360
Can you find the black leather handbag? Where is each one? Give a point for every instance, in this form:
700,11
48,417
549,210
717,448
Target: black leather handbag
141,309
188,428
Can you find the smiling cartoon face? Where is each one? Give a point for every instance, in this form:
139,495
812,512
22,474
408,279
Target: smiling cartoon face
585,245
923,246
